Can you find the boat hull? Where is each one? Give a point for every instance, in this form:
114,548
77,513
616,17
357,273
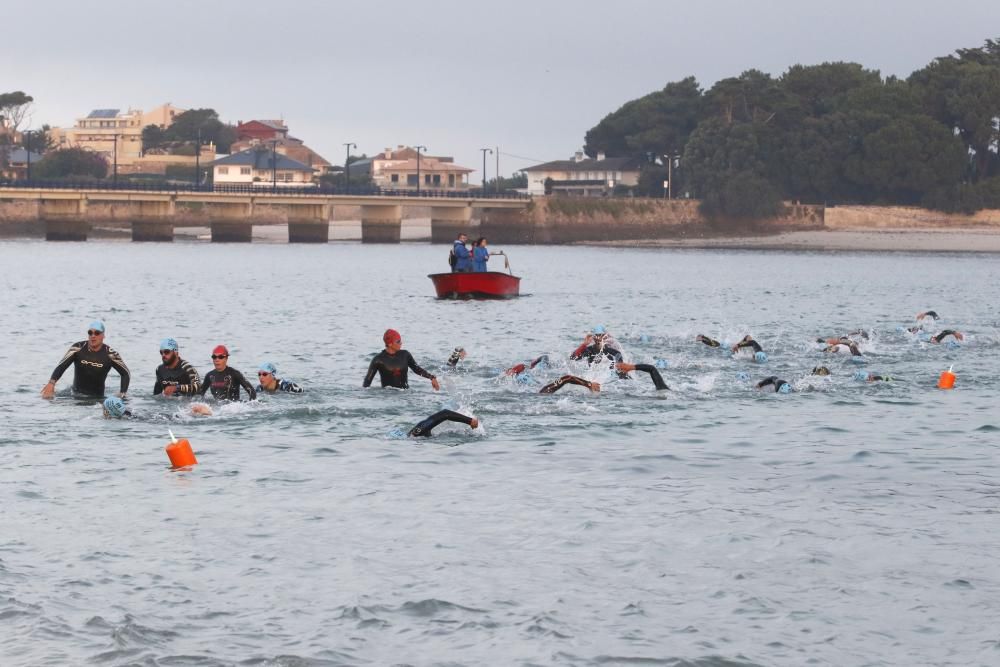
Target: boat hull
481,285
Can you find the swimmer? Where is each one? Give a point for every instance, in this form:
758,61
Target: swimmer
780,386
711,342
392,364
843,346
596,345
958,335
424,428
174,375
556,385
747,341
269,382
622,367
114,408
225,382
872,377
92,360
928,314
520,368
456,356
821,371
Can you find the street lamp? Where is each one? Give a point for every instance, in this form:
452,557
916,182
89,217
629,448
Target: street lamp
114,152
498,172
418,149
197,162
274,166
485,151
347,165
27,151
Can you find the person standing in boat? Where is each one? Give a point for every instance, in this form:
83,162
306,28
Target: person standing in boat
463,258
480,255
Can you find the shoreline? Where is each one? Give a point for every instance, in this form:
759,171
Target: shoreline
970,240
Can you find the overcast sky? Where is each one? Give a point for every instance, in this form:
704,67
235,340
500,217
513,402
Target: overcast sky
529,77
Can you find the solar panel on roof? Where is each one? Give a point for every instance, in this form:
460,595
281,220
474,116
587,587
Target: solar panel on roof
103,113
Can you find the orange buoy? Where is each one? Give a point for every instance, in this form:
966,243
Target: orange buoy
180,453
947,379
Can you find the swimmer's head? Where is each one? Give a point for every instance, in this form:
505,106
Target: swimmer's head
821,370
599,330
760,357
114,408
785,388
743,376
861,376
391,337
267,367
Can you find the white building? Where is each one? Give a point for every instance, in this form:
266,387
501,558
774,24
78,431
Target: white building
260,166
585,177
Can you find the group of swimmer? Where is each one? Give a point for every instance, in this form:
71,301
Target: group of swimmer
93,360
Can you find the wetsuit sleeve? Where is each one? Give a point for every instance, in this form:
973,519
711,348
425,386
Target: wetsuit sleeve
119,365
371,372
553,387
67,359
766,382
246,385
158,387
653,373
205,385
750,343
291,387
412,363
544,359
193,385
424,428
578,352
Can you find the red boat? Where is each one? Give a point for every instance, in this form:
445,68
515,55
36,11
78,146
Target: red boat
484,285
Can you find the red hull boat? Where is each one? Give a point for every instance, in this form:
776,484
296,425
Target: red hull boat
482,285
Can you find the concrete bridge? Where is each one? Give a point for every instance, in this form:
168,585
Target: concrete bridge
67,214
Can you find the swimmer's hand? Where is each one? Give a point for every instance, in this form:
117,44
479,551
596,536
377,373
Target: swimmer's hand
170,390
622,367
474,423
49,390
201,409
594,387
435,384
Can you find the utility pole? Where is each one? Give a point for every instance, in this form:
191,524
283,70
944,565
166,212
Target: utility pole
418,149
197,161
347,165
498,170
114,152
27,151
485,151
670,176
274,166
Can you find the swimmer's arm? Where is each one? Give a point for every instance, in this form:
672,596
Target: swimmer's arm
578,352
412,363
194,381
119,365
372,368
555,386
246,385
64,363
653,373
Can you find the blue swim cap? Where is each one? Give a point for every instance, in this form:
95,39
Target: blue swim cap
524,378
599,329
953,345
901,329
267,367
115,407
97,325
643,338
743,376
861,376
858,359
785,388
168,344
923,335
660,363
760,357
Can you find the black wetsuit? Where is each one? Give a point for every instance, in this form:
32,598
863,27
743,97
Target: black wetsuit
654,374
90,368
555,386
183,376
392,369
773,380
931,314
225,384
593,353
423,429
455,357
944,334
283,385
520,368
749,343
850,344
711,342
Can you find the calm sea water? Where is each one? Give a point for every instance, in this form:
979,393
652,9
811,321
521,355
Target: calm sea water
846,523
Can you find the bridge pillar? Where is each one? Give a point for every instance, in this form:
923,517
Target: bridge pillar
448,221
64,219
308,223
508,225
381,223
153,221
230,222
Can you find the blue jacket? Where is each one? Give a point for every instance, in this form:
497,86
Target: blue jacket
480,257
463,256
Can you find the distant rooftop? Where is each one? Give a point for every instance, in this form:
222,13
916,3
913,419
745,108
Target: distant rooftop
103,113
259,158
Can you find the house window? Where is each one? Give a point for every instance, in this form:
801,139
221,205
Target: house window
451,180
437,179
411,179
244,171
223,170
395,178
427,179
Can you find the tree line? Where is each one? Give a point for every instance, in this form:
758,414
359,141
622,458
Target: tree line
825,134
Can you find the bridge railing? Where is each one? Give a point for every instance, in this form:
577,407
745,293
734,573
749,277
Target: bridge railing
257,189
